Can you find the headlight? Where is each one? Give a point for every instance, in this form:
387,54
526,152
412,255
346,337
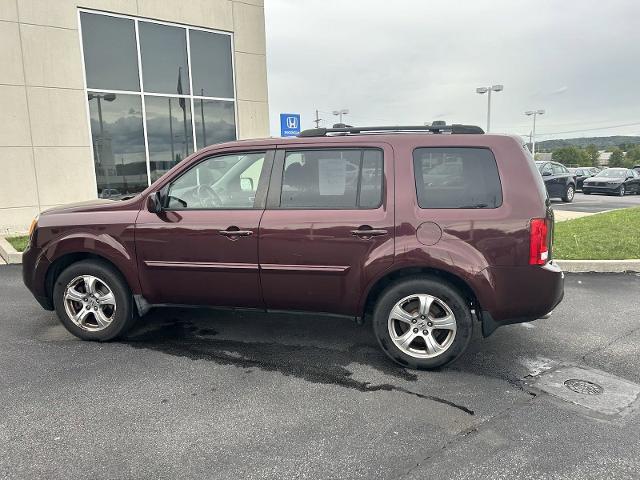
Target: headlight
614,182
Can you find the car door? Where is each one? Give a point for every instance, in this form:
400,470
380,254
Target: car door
559,179
202,248
328,227
549,179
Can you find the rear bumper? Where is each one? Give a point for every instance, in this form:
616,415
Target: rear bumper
522,294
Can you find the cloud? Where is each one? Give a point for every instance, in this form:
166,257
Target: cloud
410,61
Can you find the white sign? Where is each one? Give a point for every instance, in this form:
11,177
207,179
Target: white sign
333,176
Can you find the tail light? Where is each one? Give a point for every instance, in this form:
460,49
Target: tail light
538,245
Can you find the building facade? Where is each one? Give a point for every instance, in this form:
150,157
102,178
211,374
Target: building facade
98,98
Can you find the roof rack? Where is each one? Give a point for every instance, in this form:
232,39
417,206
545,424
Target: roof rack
456,128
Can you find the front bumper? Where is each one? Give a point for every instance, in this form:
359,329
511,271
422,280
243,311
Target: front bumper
601,189
522,294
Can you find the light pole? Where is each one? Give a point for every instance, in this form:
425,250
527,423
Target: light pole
341,112
488,90
108,97
535,113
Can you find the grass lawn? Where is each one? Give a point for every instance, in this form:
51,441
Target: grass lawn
605,236
19,243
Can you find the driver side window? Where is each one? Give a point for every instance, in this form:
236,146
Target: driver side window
222,182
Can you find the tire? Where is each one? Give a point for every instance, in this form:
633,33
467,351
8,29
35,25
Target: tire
453,339
99,316
586,192
621,191
569,193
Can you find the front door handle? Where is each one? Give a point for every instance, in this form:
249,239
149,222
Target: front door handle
235,232
366,232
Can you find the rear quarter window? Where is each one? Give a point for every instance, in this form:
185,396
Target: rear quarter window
456,178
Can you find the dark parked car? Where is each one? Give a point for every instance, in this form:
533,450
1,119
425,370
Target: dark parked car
613,181
558,180
423,233
582,173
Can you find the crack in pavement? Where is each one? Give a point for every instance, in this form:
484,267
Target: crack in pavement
311,363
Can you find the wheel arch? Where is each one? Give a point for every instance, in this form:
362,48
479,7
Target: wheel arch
406,272
67,259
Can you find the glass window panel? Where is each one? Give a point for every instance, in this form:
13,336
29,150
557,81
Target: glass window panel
371,179
224,182
215,121
163,51
321,179
457,178
110,55
169,132
211,64
118,144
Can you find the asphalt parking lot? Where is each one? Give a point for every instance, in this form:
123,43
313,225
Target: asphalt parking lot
205,394
597,203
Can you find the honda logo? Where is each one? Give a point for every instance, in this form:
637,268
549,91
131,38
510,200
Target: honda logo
292,122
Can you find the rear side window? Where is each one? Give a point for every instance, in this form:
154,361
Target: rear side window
332,179
456,178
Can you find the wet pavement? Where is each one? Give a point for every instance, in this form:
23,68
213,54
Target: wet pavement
196,393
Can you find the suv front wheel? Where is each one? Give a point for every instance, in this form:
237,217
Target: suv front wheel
93,301
422,322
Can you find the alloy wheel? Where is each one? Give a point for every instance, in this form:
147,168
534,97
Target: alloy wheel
570,193
422,326
89,303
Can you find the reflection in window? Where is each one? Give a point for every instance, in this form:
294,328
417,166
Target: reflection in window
227,181
211,64
163,51
215,121
169,132
456,178
332,178
127,59
110,58
118,144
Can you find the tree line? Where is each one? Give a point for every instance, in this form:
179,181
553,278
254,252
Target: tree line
588,156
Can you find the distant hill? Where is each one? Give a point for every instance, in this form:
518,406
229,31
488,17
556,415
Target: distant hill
603,143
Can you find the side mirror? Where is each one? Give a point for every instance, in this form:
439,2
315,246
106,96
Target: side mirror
546,174
154,203
246,184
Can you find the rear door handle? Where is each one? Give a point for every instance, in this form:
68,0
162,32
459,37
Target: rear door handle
365,231
235,232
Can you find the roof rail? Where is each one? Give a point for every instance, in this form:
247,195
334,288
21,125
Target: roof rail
456,128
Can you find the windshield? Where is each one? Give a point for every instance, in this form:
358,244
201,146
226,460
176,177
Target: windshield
613,173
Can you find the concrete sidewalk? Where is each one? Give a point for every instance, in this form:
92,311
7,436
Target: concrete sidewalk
562,215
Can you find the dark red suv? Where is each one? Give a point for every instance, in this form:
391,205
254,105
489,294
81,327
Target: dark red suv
427,229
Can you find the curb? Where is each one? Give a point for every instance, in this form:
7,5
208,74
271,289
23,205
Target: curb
600,266
8,253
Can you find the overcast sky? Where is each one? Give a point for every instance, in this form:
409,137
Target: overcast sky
410,61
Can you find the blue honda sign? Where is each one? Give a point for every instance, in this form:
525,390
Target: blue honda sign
289,124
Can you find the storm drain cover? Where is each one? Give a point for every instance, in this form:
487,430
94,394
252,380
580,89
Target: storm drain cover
583,386
592,389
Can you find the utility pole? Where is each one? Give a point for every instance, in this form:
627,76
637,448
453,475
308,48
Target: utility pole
317,120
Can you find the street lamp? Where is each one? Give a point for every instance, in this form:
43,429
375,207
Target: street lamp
535,113
488,90
341,112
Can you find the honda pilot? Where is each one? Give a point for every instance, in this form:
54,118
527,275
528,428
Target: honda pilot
424,232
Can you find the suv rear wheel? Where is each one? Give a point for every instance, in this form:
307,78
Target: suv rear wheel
569,193
422,322
93,301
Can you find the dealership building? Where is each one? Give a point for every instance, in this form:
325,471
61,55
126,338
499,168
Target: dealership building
98,98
